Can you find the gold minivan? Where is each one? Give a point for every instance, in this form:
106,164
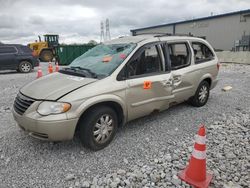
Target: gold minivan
115,82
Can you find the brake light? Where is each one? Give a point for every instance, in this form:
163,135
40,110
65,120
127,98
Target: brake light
33,54
218,66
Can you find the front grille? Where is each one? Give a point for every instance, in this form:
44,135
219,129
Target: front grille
22,103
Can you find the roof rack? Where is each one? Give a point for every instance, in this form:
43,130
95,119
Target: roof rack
153,33
156,34
176,34
170,34
180,34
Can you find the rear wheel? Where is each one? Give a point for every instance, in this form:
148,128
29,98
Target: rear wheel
98,127
25,67
201,96
46,55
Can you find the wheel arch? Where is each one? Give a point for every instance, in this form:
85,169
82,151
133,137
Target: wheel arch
25,59
46,49
207,78
115,105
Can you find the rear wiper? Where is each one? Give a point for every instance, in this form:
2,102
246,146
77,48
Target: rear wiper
94,75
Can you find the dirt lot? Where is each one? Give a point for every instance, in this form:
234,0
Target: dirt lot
146,152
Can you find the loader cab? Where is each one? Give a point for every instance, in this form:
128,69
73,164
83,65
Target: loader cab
52,40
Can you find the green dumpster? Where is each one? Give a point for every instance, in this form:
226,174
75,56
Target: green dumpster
67,53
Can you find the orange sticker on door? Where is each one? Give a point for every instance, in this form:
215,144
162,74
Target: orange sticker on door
147,85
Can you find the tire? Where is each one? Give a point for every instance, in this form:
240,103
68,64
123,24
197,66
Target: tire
96,131
24,67
201,95
46,55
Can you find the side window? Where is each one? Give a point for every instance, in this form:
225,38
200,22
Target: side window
146,62
179,55
7,50
201,52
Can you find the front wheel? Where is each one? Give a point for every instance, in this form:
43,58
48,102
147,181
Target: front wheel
201,96
25,67
46,55
98,127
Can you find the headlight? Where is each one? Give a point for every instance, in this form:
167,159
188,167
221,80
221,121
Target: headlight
47,108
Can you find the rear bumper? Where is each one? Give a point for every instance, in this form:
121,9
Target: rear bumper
35,62
214,83
54,130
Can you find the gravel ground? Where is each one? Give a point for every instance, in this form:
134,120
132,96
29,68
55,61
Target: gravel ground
147,152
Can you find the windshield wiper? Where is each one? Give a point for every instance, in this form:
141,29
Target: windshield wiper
94,75
72,72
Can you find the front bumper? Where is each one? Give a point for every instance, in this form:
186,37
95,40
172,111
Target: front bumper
54,130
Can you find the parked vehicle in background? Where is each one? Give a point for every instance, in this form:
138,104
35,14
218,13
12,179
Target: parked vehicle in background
17,57
50,49
116,82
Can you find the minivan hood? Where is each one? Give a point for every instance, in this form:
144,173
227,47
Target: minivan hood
54,86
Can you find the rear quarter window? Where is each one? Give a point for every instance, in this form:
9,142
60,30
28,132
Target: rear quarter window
202,53
25,49
179,54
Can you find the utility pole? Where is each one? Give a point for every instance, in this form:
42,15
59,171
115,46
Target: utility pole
107,36
107,30
102,39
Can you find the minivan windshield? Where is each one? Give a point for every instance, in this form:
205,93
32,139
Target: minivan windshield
103,59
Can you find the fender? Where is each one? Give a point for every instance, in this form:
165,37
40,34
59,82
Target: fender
205,76
102,98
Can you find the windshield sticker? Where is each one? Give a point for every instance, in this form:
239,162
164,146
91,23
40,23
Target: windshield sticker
75,78
123,56
107,59
147,85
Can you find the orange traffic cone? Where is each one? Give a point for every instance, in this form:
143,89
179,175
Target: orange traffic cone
57,67
50,68
195,173
39,72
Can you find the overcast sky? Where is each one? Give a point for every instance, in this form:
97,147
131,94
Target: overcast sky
78,21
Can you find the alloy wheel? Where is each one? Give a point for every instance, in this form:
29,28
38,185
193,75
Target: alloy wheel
25,67
103,129
203,94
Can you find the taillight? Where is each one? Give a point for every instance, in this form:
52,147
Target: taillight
33,54
218,66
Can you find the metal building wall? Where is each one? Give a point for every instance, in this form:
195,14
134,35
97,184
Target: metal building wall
220,32
163,29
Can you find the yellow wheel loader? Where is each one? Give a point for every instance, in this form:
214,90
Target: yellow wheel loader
45,50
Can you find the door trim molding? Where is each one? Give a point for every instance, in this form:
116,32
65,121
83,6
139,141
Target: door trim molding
182,89
152,100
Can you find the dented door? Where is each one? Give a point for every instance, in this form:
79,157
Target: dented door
147,94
